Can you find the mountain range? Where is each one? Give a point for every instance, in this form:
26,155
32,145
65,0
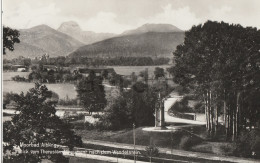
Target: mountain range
153,40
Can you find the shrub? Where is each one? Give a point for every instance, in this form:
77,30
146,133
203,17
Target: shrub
248,144
181,106
18,78
187,142
96,116
67,102
89,126
181,90
151,151
199,108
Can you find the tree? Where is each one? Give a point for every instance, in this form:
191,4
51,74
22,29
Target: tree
27,62
104,74
158,72
132,106
151,151
37,123
144,74
91,93
60,61
10,37
7,98
133,77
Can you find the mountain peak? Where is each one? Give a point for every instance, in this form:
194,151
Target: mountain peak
41,27
72,29
69,26
153,28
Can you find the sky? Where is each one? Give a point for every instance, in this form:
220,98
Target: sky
116,16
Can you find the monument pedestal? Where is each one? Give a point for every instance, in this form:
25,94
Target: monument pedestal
159,117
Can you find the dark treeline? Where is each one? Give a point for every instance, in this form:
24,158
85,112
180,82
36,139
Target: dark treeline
118,61
97,61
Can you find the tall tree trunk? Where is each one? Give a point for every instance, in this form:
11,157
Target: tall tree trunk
229,120
237,114
211,112
227,123
224,110
234,123
216,120
206,110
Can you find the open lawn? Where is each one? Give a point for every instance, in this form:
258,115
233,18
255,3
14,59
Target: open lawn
181,139
166,140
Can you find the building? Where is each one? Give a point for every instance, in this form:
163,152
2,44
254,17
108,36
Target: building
19,68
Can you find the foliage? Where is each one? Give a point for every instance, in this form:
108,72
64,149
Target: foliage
187,142
181,106
151,151
248,144
144,74
130,107
220,63
199,107
53,76
159,72
19,78
68,102
10,37
91,93
96,116
37,123
7,99
99,61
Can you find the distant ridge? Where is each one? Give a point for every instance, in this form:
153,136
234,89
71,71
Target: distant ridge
152,28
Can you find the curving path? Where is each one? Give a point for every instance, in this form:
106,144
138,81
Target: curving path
167,105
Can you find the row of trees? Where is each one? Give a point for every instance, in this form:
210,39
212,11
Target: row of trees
51,76
67,61
220,62
121,61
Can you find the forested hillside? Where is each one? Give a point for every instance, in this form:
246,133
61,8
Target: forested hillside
150,44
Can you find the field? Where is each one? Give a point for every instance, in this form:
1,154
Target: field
127,70
62,90
9,75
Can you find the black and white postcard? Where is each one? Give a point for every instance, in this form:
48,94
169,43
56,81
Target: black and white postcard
102,81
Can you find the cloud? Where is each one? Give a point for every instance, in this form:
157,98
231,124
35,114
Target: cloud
25,16
233,15
182,17
105,22
117,16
